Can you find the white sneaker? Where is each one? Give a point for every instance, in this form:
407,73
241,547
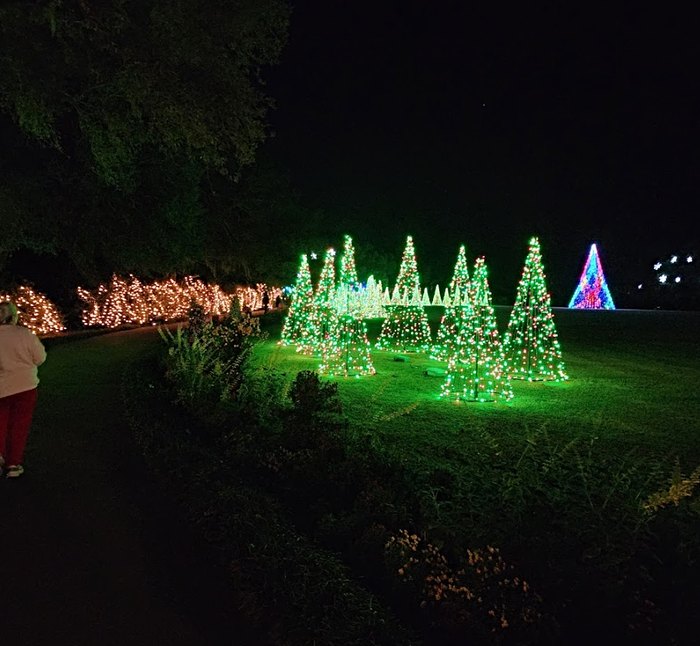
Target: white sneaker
14,471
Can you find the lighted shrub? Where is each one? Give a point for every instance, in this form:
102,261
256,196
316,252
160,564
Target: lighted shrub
129,301
36,311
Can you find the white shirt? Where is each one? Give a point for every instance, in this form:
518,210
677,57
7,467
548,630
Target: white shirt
20,354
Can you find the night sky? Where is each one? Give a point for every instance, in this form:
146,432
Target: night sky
486,125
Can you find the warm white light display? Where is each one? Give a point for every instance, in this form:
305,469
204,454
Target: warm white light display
689,259
657,266
674,259
36,311
128,301
663,278
677,279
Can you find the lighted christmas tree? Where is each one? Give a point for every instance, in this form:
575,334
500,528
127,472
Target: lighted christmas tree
371,298
592,292
348,272
448,324
405,327
297,327
319,323
345,350
530,344
475,368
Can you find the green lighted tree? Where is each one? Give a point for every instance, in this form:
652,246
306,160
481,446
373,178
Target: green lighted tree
446,335
320,324
405,327
348,272
346,351
296,325
531,346
475,368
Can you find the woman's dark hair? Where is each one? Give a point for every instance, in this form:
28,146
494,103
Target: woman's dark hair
8,313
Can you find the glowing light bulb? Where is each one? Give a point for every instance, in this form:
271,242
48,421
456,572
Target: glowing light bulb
678,279
689,259
639,286
674,259
663,278
657,266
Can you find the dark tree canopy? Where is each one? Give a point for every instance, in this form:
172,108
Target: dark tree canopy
119,117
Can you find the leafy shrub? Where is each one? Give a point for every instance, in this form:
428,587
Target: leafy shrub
206,362
300,593
480,596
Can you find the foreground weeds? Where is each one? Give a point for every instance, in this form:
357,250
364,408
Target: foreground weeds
522,539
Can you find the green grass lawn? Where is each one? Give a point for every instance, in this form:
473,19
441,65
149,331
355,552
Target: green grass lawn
633,380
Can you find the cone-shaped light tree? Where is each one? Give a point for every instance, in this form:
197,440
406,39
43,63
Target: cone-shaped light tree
345,350
531,344
475,368
348,271
319,324
592,292
405,327
296,325
448,325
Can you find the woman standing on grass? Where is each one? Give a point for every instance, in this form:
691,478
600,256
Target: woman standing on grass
20,354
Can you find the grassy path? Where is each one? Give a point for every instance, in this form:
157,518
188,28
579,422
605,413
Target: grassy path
92,553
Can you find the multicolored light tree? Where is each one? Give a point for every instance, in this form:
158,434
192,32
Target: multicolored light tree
297,327
446,335
405,327
531,344
475,368
592,292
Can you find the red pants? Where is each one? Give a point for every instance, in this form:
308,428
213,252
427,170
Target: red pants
15,419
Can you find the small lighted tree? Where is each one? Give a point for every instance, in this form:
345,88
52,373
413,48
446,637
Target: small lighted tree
323,312
297,327
348,271
475,367
448,324
371,300
592,291
531,344
345,351
405,327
